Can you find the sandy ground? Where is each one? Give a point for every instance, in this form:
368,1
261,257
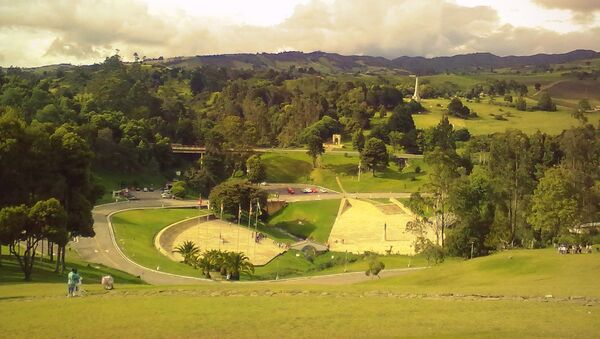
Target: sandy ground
224,236
362,226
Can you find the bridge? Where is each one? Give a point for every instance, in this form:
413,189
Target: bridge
197,149
188,149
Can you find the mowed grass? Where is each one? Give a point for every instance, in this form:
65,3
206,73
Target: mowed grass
135,231
528,122
518,272
307,219
416,304
291,316
296,167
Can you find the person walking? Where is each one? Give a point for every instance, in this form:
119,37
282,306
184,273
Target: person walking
72,281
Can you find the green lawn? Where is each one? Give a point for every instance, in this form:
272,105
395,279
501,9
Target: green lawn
296,167
135,231
306,219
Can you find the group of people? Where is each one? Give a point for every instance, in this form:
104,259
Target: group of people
74,282
574,249
258,237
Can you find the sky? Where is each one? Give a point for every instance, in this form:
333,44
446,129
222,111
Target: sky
42,32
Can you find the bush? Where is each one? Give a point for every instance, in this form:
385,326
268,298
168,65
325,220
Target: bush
418,169
179,189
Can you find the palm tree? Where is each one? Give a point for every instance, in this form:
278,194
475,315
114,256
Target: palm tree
205,263
189,251
236,263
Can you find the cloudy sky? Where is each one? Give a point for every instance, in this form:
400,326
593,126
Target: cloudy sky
40,32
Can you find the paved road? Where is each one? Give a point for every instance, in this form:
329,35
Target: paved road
281,189
103,248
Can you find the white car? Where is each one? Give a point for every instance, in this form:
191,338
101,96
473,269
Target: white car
307,190
322,190
166,195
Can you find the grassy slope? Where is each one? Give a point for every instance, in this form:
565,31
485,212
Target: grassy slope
317,218
522,272
43,271
371,309
135,232
528,122
296,167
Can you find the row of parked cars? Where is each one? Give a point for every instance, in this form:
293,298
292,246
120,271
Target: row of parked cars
307,190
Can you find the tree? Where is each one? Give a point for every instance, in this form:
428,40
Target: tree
545,102
375,155
537,86
456,108
444,164
189,251
375,267
179,189
255,169
401,120
315,147
554,205
358,140
396,139
584,105
236,263
521,104
28,226
235,193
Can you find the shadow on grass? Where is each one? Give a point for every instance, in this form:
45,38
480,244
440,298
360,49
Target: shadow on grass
10,272
293,227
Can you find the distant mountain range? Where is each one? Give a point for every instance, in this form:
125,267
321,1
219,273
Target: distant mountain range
333,62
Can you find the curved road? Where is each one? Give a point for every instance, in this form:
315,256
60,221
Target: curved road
103,249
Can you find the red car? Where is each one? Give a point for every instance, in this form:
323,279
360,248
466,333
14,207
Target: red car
291,190
314,190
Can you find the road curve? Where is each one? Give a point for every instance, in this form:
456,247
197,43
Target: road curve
103,248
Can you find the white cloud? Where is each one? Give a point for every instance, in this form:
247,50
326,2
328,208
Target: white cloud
42,32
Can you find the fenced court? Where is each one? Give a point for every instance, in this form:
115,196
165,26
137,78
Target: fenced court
218,235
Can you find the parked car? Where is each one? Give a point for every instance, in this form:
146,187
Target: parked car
132,197
291,190
166,195
264,183
145,189
314,190
307,190
151,189
322,190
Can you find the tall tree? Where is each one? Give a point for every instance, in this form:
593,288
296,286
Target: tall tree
255,169
375,155
315,147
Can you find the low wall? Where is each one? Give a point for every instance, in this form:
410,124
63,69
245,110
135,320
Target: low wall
164,239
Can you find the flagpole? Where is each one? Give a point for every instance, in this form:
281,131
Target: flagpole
238,229
256,226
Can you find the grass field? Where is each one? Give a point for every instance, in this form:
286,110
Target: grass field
135,231
528,122
500,296
306,219
297,168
